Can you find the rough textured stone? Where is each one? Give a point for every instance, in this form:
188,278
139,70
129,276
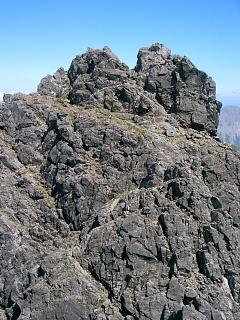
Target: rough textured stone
183,90
57,85
118,203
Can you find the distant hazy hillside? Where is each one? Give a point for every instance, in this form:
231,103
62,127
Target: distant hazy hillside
229,125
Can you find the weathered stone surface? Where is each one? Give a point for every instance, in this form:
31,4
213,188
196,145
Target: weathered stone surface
183,90
114,204
57,85
160,81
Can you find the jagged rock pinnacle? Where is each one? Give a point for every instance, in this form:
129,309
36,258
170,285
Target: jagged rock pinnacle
170,82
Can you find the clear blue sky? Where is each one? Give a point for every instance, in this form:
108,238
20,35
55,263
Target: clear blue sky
39,36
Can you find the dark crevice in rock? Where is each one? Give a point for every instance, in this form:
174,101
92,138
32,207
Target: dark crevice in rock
145,182
40,272
216,203
10,302
176,316
230,276
125,254
201,261
124,311
163,314
198,126
188,300
84,145
16,312
95,224
228,243
174,94
57,191
163,225
103,282
125,257
172,265
174,190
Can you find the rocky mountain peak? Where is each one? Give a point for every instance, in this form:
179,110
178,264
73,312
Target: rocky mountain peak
156,54
98,78
117,202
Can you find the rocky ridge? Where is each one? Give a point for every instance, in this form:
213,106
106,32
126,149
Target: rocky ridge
117,200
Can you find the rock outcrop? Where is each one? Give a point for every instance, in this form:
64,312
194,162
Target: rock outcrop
117,200
57,85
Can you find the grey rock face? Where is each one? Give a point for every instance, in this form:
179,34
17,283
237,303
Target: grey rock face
113,205
57,85
94,71
180,87
160,81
